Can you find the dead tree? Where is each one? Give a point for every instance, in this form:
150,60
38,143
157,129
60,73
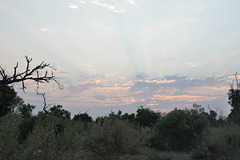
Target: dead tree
29,74
38,74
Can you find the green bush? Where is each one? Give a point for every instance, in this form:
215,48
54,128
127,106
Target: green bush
178,130
223,143
145,117
112,137
54,138
10,149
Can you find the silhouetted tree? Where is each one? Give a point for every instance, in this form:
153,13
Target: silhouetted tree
38,74
129,117
179,129
234,101
28,74
145,117
25,110
59,112
8,100
83,117
26,125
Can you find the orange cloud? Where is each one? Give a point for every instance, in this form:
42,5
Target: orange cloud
189,98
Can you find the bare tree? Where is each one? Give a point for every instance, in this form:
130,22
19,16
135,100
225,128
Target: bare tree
29,74
39,74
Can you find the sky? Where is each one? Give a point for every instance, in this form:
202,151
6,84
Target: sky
115,55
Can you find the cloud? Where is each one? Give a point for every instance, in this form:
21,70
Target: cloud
132,2
83,2
170,92
191,64
175,77
113,8
44,29
142,76
73,6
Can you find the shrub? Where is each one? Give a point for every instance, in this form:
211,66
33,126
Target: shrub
10,149
54,138
145,117
25,127
83,117
223,143
178,130
112,137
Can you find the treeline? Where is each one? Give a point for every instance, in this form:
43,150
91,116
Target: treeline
53,135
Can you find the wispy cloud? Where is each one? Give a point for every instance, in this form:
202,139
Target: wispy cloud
44,29
164,94
191,64
111,7
83,2
132,2
73,6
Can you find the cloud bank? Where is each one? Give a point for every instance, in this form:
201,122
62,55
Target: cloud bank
159,94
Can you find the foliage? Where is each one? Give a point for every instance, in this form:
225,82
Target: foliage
145,117
112,137
57,111
9,146
179,129
222,143
83,117
47,141
126,117
25,110
8,100
26,126
234,101
129,117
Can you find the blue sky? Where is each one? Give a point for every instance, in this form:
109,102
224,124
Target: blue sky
120,54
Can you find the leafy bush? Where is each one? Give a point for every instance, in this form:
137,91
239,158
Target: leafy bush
223,143
25,127
9,146
83,117
112,137
54,138
179,129
145,117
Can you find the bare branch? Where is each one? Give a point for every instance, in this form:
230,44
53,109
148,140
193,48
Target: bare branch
44,100
29,74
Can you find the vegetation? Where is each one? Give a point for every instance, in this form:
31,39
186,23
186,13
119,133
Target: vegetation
52,133
179,130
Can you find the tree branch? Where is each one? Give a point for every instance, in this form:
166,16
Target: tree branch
29,74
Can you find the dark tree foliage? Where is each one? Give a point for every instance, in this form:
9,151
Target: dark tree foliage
179,129
100,119
145,117
83,117
129,117
25,127
59,112
8,100
25,110
234,101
